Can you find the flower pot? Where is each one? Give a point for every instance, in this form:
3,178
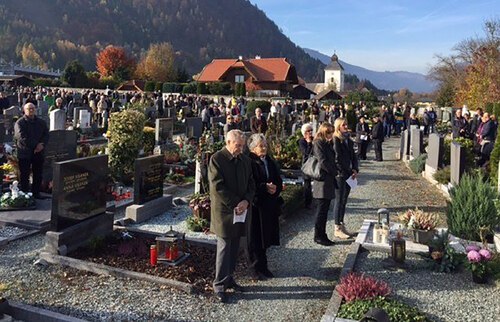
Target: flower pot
421,236
479,279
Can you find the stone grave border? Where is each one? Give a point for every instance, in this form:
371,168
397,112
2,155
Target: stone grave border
24,312
5,241
102,269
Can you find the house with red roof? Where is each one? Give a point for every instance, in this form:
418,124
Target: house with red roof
269,76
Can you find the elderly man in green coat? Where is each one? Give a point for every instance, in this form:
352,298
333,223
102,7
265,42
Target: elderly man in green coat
231,192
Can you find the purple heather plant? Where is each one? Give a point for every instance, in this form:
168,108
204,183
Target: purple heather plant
478,260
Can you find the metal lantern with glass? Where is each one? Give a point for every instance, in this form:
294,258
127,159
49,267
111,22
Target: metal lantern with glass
171,248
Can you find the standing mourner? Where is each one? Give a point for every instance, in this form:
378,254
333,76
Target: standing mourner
305,146
258,122
362,137
324,189
263,226
347,167
486,135
31,136
232,190
459,125
377,137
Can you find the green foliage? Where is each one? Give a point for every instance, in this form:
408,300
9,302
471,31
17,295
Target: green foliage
494,159
472,207
190,88
468,146
197,224
126,140
293,197
265,106
149,139
495,267
417,165
149,86
106,82
220,88
284,150
446,95
351,119
74,74
397,311
443,175
240,89
201,88
172,87
158,87
47,82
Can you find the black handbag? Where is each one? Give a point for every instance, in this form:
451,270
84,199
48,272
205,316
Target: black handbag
312,168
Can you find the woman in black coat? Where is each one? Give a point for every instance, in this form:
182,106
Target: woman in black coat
377,137
263,225
346,162
362,136
305,147
324,189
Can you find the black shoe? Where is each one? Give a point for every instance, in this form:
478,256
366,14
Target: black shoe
221,297
267,273
323,241
237,288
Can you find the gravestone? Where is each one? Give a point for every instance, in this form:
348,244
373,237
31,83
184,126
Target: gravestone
170,112
194,127
8,122
76,112
79,190
406,143
71,110
15,111
42,109
457,162
217,119
84,119
164,130
13,100
57,120
435,151
149,200
417,142
60,147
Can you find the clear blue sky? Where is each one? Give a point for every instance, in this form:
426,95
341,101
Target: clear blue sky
381,35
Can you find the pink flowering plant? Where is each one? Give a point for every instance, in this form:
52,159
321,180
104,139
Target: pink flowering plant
477,260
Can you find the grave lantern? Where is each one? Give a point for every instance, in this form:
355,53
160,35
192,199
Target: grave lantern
398,248
380,213
171,247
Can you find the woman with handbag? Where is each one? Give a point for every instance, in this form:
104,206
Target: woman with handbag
347,166
305,147
263,225
324,186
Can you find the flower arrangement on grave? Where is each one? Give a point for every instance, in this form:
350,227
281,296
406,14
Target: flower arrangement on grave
16,198
419,219
200,204
172,154
285,150
477,262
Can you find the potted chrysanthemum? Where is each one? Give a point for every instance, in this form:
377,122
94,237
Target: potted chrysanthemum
477,263
16,198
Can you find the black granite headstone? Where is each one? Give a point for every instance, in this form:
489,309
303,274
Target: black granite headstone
148,179
194,127
435,151
457,162
164,130
61,147
79,190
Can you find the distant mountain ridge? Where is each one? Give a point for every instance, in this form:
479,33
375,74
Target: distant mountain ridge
393,81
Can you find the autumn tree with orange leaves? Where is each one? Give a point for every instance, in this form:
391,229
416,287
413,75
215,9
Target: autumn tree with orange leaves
114,62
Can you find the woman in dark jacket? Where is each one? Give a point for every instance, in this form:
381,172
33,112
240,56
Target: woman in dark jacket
263,225
324,189
377,137
362,135
347,166
305,146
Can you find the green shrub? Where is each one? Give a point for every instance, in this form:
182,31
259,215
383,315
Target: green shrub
265,106
127,138
494,159
220,88
472,206
351,119
190,88
201,88
293,199
417,165
172,87
197,224
467,144
158,86
397,311
240,89
149,86
149,139
443,175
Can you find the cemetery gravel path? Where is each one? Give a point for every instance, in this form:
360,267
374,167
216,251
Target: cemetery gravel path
306,273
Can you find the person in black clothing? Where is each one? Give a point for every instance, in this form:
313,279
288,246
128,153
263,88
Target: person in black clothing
486,138
305,147
459,125
263,224
324,189
4,103
377,137
31,136
347,166
362,137
413,120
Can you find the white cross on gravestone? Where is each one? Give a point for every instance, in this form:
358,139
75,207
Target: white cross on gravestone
57,120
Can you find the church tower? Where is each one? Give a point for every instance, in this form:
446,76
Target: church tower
334,75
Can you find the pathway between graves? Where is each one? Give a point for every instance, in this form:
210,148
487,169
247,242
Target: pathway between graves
306,273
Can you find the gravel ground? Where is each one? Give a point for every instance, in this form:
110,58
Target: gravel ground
306,273
11,231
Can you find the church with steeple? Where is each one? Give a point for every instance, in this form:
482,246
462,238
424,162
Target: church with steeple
334,75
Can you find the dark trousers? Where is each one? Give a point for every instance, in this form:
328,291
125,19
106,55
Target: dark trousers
362,148
377,146
322,207
254,246
225,262
341,195
307,192
26,166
